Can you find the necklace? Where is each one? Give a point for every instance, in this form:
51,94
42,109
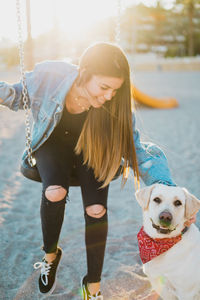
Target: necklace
80,105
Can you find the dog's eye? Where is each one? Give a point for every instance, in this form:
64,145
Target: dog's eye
157,200
177,203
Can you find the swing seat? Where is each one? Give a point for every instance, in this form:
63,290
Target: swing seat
33,174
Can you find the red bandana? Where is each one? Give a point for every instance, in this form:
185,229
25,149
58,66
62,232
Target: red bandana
150,248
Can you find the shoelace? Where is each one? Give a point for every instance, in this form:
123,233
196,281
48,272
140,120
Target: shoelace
96,297
45,268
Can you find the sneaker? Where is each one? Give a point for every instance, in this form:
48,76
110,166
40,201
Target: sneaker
47,279
85,292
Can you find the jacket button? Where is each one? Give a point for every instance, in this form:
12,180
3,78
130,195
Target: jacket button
66,132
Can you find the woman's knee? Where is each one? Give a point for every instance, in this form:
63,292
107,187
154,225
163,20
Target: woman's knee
96,210
55,193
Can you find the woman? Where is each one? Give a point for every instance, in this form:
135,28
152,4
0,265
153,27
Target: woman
83,120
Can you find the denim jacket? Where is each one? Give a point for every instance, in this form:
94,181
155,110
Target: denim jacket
48,85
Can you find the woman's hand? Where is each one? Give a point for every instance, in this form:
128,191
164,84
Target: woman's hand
191,220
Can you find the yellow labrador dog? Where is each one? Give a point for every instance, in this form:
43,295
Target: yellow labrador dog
170,252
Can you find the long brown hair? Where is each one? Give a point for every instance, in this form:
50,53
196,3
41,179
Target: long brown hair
107,134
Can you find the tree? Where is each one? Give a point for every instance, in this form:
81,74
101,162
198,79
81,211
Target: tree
190,8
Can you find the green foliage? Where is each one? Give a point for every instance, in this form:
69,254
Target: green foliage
176,30
190,9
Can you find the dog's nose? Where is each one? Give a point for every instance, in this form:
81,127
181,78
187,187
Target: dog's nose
165,217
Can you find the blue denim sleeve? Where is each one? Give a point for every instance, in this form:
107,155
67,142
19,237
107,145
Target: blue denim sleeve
11,94
152,162
40,82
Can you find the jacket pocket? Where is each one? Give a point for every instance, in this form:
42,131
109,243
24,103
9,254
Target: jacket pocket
42,116
35,108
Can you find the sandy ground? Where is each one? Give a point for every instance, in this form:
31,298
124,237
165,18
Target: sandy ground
176,131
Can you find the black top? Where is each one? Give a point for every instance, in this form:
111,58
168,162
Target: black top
69,127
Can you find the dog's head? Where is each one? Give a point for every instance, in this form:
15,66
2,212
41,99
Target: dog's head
165,209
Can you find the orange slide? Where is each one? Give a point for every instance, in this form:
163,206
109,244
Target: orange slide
151,101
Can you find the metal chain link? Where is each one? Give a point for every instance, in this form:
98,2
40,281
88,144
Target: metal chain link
25,97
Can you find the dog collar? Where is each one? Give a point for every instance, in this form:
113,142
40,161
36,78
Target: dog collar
150,248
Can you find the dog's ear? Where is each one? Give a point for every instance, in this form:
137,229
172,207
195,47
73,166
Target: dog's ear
143,196
192,204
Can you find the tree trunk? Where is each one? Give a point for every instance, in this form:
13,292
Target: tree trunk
191,29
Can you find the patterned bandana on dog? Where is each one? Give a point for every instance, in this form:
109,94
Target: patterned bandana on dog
150,248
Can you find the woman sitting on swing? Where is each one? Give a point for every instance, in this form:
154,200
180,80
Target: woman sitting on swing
83,119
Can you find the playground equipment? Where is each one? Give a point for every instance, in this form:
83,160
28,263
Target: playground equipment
151,101
28,167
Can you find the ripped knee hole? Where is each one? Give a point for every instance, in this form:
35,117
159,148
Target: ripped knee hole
96,211
55,193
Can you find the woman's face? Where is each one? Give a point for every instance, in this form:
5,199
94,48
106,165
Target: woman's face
101,89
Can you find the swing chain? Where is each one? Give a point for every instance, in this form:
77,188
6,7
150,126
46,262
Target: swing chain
25,98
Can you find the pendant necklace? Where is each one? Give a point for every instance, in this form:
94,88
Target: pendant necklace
80,105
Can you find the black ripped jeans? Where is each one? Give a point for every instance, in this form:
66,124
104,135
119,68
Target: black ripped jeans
54,162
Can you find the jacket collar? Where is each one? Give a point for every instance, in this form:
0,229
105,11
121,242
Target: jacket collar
63,88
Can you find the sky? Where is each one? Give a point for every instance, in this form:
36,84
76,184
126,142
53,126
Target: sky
73,16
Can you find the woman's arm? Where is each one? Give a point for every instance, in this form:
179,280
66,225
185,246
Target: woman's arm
11,95
152,162
41,82
153,165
